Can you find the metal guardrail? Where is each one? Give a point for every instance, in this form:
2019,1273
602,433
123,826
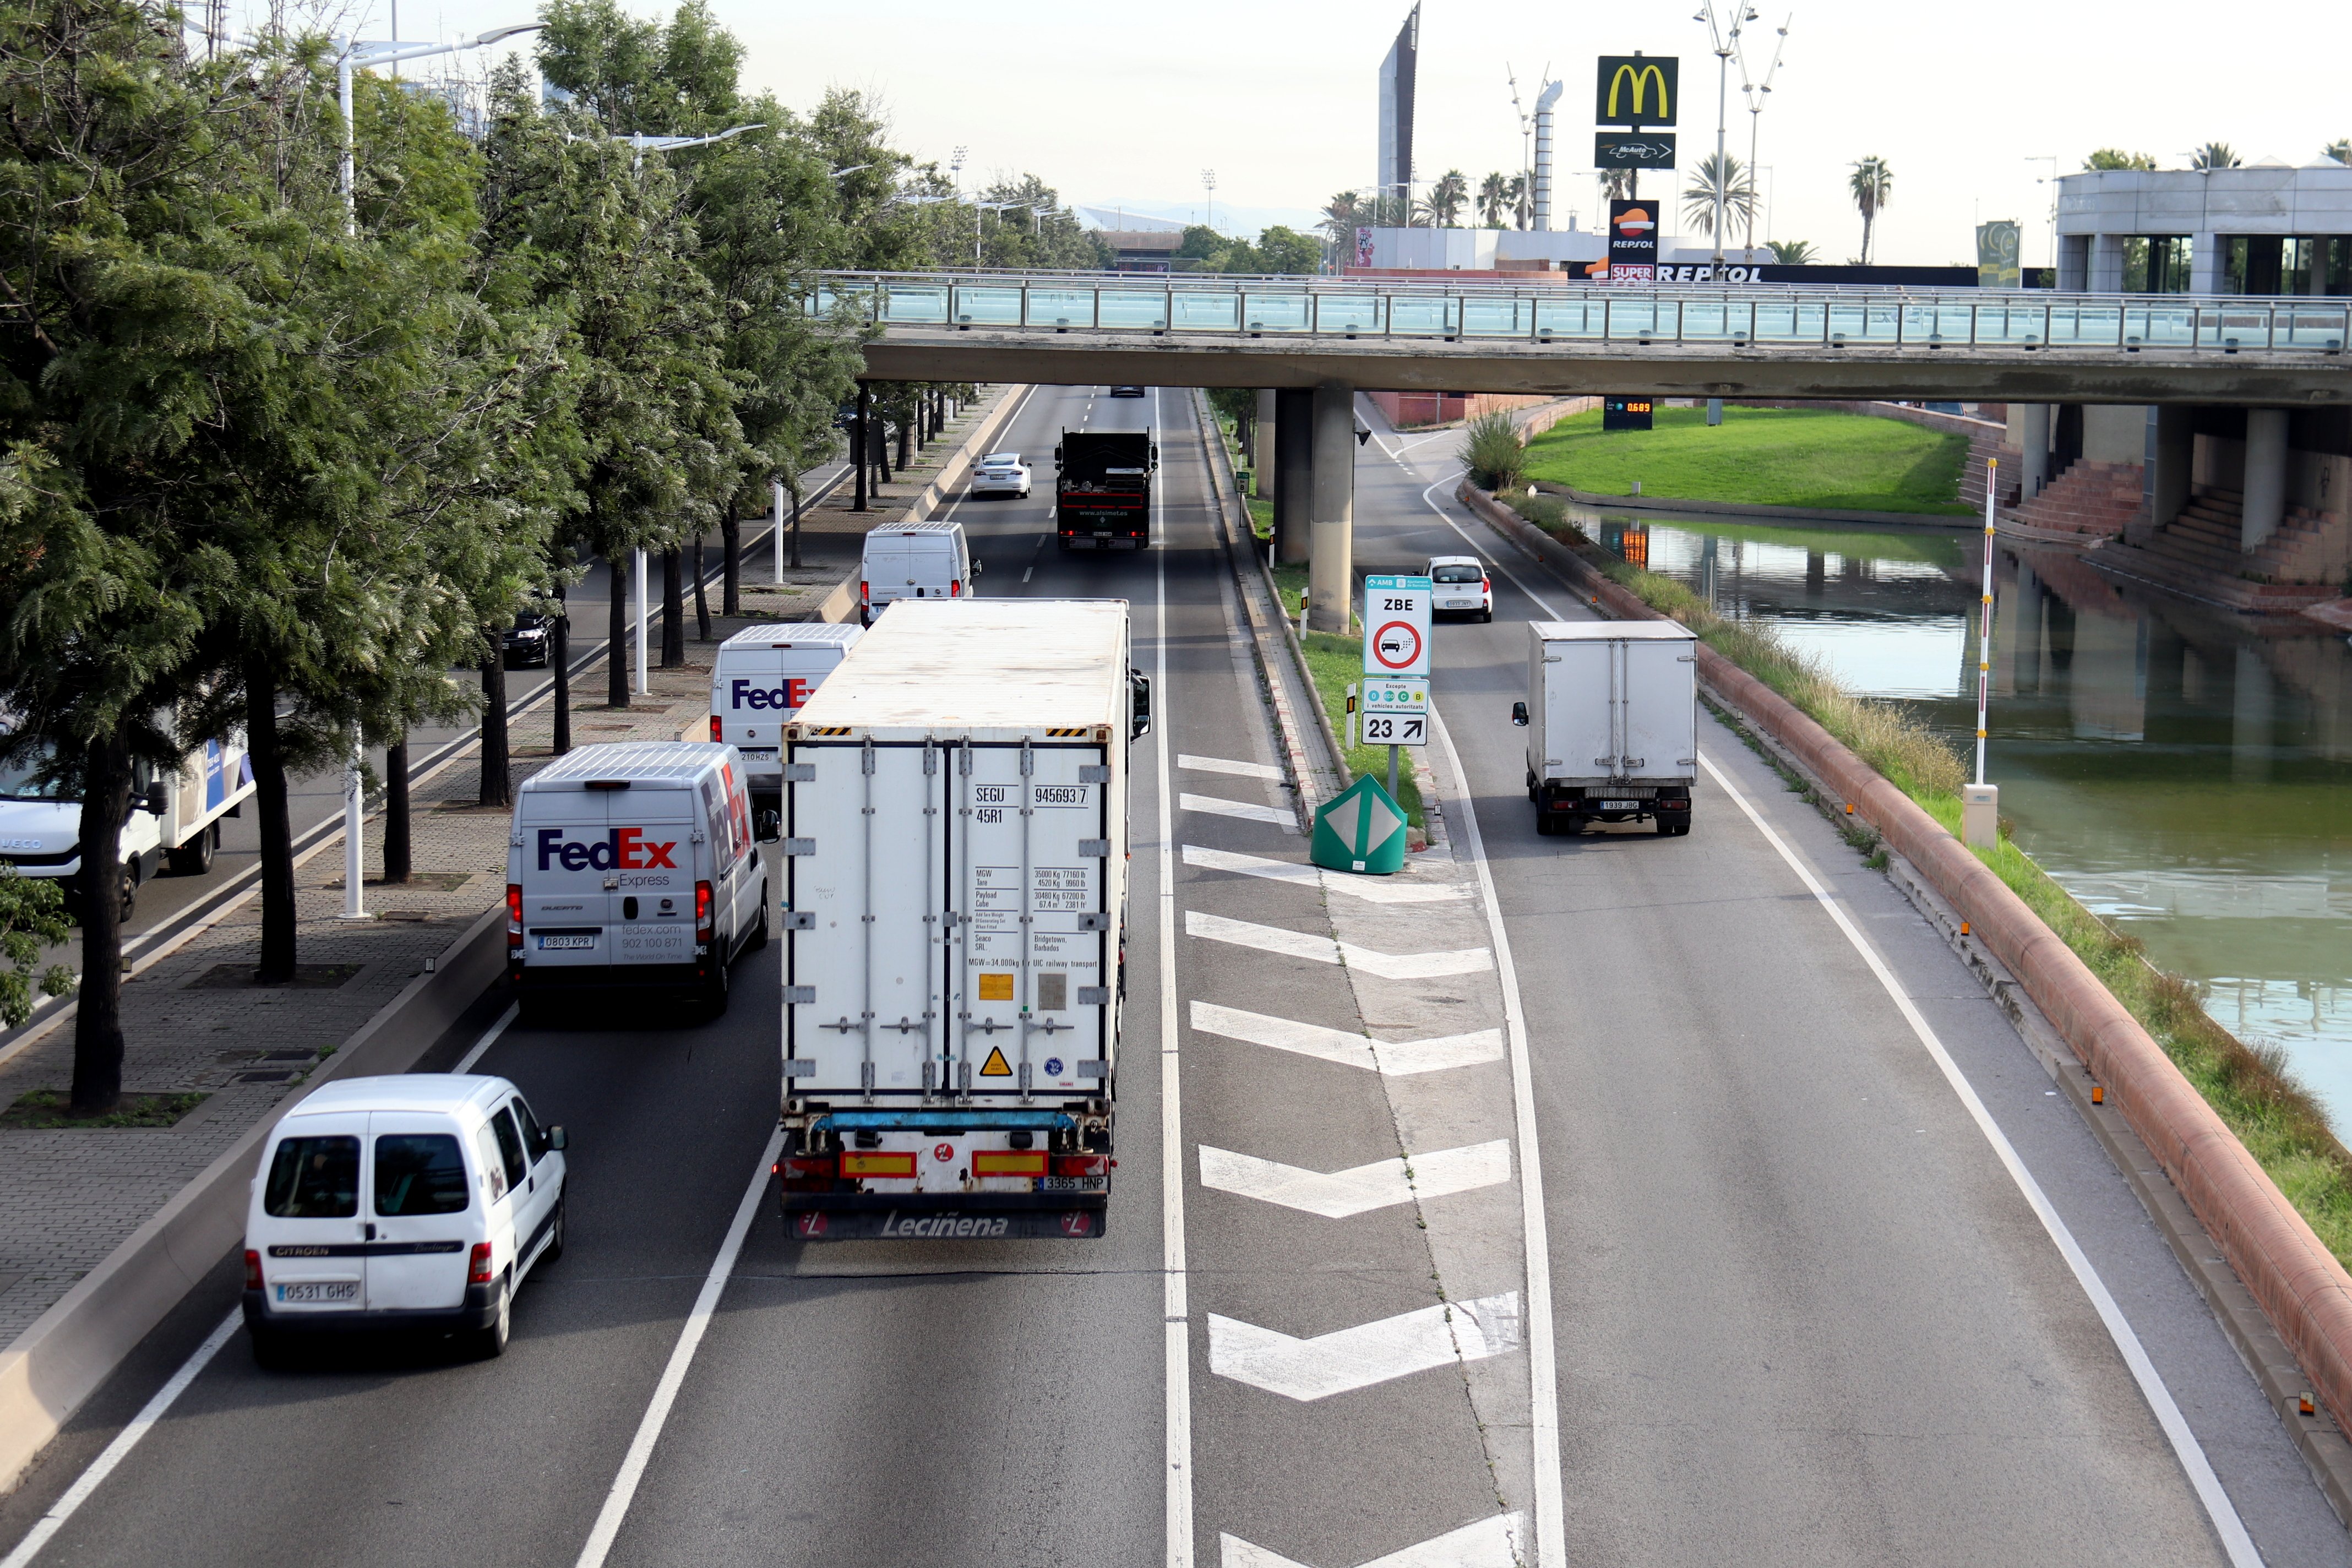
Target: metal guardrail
1743,316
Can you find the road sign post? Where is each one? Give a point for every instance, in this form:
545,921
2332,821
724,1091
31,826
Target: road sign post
1396,665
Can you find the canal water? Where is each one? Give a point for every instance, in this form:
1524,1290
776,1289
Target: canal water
2186,773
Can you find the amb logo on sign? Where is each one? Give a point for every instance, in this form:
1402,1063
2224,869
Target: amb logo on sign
1636,90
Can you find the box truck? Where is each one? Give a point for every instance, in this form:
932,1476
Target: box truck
1612,715
955,839
1102,489
174,820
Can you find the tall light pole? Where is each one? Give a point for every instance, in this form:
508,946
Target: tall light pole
353,53
1756,93
1209,183
2051,181
1726,45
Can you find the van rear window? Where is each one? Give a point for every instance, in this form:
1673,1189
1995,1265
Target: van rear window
419,1173
313,1178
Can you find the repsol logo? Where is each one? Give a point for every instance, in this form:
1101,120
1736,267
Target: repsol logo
790,695
622,849
946,1225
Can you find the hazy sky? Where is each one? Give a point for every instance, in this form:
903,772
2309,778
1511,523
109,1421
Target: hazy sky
1110,101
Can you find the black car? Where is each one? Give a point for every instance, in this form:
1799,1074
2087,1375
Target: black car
1126,391
531,641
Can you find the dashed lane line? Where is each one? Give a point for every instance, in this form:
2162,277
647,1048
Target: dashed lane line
1390,1058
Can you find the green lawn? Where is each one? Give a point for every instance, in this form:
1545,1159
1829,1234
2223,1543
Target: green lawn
1763,456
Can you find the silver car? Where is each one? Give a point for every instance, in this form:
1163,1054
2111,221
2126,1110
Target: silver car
999,474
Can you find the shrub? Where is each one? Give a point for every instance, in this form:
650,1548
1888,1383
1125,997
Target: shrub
1493,452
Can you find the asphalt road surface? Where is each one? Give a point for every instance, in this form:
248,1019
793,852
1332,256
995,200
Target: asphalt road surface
1621,1217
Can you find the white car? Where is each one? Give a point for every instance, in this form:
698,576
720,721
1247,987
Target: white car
1001,474
415,1202
1459,587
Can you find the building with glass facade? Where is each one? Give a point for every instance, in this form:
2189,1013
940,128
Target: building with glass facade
2268,228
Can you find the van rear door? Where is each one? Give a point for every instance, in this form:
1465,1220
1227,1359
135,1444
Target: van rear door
653,842
313,1238
569,885
420,1195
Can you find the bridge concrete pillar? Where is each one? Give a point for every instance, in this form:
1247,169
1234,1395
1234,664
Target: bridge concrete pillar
1330,573
1262,443
2034,437
1294,472
2168,463
2266,492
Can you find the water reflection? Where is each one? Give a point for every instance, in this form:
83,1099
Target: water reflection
2185,772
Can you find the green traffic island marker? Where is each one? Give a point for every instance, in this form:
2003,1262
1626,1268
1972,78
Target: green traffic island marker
1360,829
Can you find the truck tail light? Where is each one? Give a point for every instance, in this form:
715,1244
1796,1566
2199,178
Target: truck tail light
806,1173
1008,1162
1081,1164
702,912
864,592
477,1265
252,1269
514,917
717,732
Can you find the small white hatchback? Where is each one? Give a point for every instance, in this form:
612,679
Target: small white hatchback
416,1202
1459,585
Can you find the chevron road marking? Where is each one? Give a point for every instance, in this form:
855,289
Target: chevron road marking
1378,1186
1219,806
1220,766
1371,889
1393,1059
1349,1358
1492,1543
1323,950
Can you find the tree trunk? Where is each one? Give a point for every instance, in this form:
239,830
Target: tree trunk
616,633
731,564
559,664
397,859
906,439
701,595
98,1013
792,486
672,608
496,789
273,823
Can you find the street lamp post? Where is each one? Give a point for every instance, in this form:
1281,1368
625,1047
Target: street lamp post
1726,45
1209,183
353,53
1756,93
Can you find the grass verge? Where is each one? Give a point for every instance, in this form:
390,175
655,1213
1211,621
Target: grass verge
46,1108
2247,1085
1764,456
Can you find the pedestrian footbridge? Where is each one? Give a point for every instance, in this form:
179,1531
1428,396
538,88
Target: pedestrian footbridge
1732,340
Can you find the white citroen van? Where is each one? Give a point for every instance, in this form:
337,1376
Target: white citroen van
632,866
914,561
758,681
417,1202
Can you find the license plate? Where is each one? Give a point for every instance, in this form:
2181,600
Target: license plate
758,753
566,943
1621,805
1072,1184
657,943
321,1290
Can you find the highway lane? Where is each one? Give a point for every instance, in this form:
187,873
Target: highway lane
1804,1316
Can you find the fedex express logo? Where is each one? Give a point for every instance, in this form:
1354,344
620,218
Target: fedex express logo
791,694
622,849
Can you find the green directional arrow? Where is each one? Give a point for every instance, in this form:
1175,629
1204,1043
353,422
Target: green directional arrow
1362,828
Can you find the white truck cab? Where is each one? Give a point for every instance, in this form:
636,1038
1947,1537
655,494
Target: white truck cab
914,561
174,819
634,866
760,680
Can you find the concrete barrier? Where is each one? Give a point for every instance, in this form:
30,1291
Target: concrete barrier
60,1361
2301,1286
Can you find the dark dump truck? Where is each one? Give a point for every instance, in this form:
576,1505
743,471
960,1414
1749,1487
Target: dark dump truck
1102,489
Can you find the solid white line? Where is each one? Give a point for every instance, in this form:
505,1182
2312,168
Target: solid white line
2185,1446
1246,810
1031,572
120,1449
689,1339
1225,765
1175,1307
1381,1351
490,1037
1392,1058
1543,1378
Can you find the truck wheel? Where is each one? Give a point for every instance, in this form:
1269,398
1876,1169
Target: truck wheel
130,890
1543,825
1531,783
194,858
714,990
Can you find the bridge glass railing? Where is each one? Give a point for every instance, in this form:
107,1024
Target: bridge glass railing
1753,317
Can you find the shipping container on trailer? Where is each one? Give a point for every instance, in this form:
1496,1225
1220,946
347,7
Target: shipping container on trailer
955,833
1612,723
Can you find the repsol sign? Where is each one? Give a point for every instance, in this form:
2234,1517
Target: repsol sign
791,694
622,849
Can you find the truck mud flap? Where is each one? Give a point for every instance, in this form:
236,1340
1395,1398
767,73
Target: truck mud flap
967,1216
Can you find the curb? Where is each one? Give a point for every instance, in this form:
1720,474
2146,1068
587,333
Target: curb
2302,1290
58,1362
1947,524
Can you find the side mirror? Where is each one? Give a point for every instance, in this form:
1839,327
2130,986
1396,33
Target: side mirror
1363,434
1139,703
1057,452
156,800
767,825
1519,714
558,1139
976,566
1155,454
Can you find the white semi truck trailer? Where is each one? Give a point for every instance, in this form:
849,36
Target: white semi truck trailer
955,837
1612,715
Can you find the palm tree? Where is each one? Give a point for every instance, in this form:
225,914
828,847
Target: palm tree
1738,195
1341,214
1873,184
2214,156
1494,197
1446,199
1793,252
2340,150
1522,202
1617,184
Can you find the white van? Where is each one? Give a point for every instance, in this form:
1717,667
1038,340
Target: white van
174,821
914,561
758,681
632,865
417,1202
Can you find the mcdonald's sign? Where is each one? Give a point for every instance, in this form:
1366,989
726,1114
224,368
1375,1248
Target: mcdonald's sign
1636,90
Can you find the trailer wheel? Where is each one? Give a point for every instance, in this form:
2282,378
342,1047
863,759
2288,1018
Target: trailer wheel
194,858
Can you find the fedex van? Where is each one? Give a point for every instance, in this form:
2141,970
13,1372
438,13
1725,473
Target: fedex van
758,681
634,866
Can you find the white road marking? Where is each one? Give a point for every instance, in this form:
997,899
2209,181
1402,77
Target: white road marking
1031,572
1336,1194
1217,806
2185,1446
1393,1059
1371,889
682,1356
1543,1378
489,1038
1348,1359
1323,950
1492,1543
114,1453
1175,1309
1226,765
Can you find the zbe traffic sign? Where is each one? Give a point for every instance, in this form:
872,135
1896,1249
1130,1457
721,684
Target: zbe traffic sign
1396,627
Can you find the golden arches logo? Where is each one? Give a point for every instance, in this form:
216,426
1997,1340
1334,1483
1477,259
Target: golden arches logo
1642,79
